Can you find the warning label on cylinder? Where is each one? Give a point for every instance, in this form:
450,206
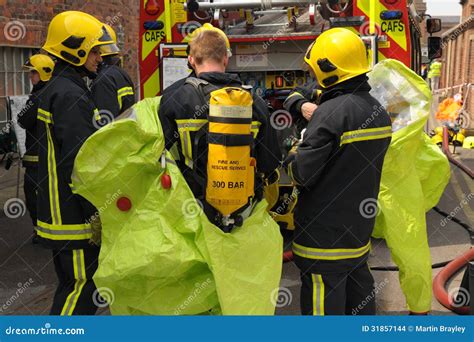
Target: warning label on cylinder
228,165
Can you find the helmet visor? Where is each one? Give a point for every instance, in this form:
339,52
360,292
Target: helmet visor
28,66
109,49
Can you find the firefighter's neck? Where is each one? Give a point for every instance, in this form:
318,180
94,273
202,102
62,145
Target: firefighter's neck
209,67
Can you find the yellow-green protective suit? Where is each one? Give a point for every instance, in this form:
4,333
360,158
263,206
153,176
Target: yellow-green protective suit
163,256
414,176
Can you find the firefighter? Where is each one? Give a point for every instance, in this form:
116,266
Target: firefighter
66,117
40,70
337,169
113,89
179,83
184,121
434,74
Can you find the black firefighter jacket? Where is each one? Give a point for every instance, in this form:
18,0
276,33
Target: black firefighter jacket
27,120
66,115
299,96
182,112
112,91
338,168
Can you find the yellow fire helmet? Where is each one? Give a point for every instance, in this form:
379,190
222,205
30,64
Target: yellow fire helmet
43,64
209,27
336,56
110,50
72,34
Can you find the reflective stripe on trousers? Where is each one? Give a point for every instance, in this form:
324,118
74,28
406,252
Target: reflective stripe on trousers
80,280
329,253
318,295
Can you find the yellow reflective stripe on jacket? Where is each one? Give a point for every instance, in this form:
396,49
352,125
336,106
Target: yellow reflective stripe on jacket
318,295
53,180
64,231
255,128
186,126
79,266
329,254
366,134
45,116
97,114
295,94
29,158
123,92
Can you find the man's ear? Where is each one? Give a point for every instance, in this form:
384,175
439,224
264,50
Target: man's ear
191,62
226,61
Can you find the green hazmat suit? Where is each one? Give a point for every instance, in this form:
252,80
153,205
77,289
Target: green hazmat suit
163,256
414,176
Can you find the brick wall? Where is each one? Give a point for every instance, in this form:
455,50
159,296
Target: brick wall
24,23
458,58
467,8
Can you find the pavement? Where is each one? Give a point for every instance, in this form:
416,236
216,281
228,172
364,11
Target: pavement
27,278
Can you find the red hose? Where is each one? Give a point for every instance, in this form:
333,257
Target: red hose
287,256
442,278
448,154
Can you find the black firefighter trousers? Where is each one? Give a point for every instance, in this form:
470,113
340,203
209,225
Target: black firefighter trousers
76,292
30,186
348,293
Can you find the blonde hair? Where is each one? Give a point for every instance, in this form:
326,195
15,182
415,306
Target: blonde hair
208,45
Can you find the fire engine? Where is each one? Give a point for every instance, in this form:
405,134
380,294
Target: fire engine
269,37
